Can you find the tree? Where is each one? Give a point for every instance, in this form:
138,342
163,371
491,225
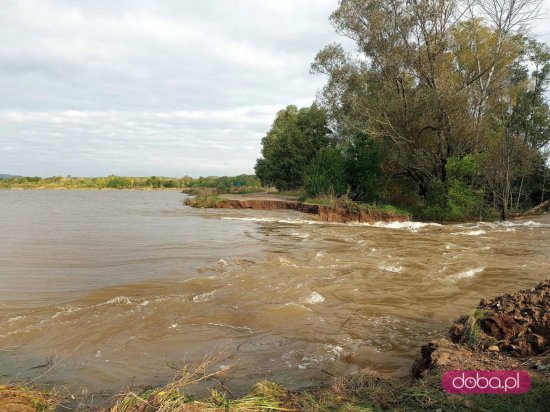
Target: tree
434,80
290,145
326,174
363,156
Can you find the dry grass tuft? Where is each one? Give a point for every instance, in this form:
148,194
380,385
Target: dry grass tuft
27,399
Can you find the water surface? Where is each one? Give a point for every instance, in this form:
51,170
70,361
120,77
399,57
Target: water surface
115,288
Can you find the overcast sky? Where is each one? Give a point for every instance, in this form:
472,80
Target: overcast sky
136,87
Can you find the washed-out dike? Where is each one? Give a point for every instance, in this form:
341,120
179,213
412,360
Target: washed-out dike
105,289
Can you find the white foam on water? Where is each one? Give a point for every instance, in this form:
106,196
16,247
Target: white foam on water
334,349
300,235
473,233
15,319
117,300
407,225
65,311
314,298
390,268
467,273
204,297
276,220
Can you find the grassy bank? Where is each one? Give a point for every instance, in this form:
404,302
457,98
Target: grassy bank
354,393
360,392
27,399
351,206
341,206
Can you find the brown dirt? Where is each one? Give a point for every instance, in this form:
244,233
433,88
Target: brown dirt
513,334
267,204
325,213
518,323
342,215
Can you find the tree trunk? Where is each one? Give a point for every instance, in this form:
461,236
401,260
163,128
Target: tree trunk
520,188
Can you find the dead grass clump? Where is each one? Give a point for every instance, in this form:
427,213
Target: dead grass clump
27,399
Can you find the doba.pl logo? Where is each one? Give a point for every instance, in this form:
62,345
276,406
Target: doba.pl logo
486,382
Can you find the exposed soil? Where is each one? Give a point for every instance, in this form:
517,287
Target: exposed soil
342,215
268,204
518,323
325,213
513,333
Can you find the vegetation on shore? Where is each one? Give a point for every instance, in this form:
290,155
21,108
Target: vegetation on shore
15,398
345,203
358,392
223,184
442,109
204,200
342,206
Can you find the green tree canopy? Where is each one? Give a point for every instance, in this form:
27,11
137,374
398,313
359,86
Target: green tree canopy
290,145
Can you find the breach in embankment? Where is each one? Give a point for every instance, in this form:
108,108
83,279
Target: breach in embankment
328,209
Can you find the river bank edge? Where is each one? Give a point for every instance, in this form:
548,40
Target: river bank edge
327,209
509,332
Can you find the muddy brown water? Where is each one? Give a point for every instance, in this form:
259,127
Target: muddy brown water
114,288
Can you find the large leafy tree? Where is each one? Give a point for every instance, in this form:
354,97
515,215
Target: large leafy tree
291,144
435,80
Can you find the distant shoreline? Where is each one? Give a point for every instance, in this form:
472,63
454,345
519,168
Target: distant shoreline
95,189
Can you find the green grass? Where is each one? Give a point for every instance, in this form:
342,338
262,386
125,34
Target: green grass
203,200
356,207
472,327
205,190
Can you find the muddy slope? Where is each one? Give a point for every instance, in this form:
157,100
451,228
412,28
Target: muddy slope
325,213
513,332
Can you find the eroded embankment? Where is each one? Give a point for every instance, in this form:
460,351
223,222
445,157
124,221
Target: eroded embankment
508,332
325,213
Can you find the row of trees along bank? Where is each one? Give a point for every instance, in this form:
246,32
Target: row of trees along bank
441,109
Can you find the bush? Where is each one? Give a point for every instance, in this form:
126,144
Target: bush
363,158
452,200
326,174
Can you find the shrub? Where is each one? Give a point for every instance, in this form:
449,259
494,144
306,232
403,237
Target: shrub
363,156
326,174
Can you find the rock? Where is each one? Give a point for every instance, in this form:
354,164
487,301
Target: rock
521,321
501,326
493,348
541,367
537,342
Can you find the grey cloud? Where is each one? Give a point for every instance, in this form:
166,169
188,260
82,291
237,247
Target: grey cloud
142,87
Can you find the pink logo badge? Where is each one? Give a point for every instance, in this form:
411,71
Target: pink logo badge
488,382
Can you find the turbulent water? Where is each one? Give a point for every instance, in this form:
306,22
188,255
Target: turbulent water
104,289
